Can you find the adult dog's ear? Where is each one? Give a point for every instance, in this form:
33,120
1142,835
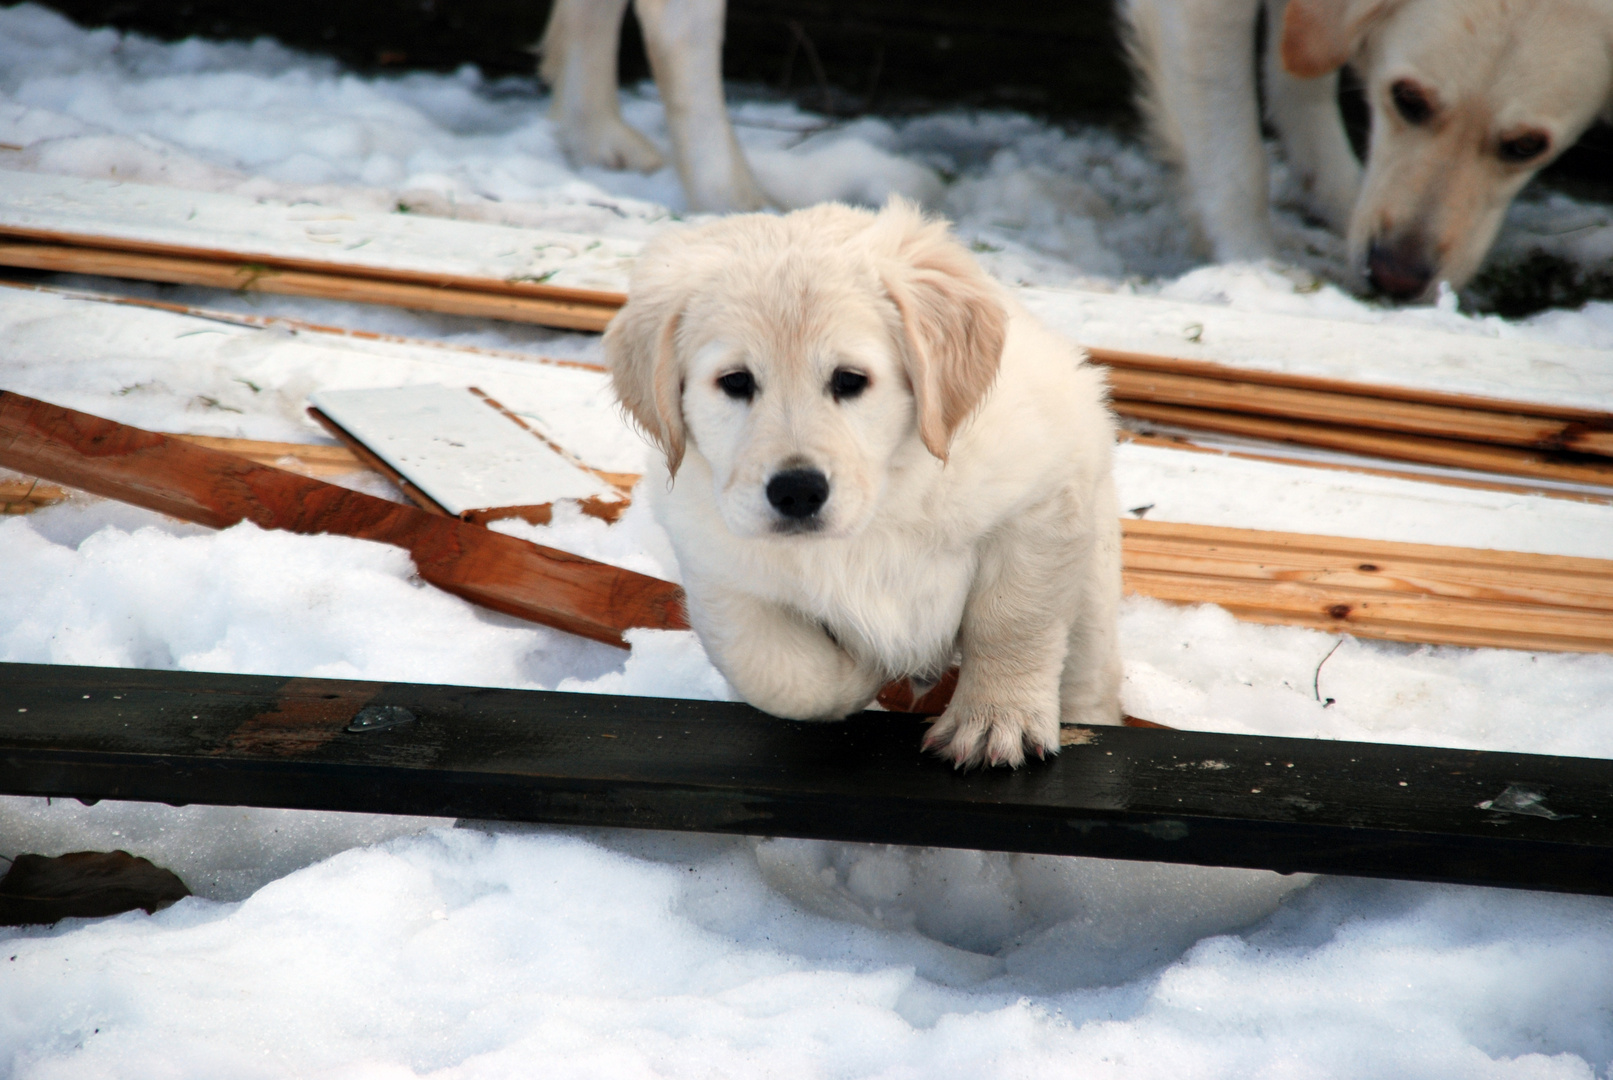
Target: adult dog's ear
953,321
641,349
1320,36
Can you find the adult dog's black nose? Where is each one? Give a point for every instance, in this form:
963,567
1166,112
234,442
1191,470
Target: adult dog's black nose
798,493
1399,269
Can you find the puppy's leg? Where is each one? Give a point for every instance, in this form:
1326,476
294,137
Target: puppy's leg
1014,637
1089,691
1195,65
779,661
579,62
684,40
1305,113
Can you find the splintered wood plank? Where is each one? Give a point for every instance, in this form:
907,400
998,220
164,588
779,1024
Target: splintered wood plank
25,494
1289,805
303,458
217,489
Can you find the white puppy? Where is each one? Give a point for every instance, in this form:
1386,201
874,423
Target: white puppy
877,463
1469,99
684,42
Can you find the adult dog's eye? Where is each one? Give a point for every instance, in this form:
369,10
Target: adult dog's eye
1523,148
1411,102
846,383
738,384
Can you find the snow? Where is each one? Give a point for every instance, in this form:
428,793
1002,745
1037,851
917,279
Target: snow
353,946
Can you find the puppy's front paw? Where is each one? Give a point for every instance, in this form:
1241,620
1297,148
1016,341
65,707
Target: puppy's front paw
970,735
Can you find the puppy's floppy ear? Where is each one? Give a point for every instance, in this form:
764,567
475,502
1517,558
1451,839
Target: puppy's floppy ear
641,349
1320,36
953,320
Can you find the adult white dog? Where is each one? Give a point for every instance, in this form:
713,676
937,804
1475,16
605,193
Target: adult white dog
684,42
877,462
1469,99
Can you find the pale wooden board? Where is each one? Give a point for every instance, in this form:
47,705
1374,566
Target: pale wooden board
75,351
356,241
1395,352
457,448
1405,349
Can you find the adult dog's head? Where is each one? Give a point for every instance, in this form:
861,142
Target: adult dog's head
1469,99
806,358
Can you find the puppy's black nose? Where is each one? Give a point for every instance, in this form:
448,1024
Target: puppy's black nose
798,493
1399,270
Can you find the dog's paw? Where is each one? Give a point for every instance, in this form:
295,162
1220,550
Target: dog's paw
993,735
611,144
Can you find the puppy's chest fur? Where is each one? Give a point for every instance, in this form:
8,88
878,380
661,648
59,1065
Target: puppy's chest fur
897,600
894,594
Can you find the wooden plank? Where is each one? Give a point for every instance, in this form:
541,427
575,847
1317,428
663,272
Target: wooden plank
1453,453
1353,547
24,495
1378,357
259,262
391,246
1352,410
1395,616
1359,575
487,303
1428,593
303,458
1396,591
212,488
1140,362
1431,476
294,326
1500,819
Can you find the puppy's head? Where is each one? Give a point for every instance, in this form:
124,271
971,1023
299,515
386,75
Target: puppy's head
1469,99
806,358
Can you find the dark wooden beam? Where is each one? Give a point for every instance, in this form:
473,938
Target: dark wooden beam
1518,820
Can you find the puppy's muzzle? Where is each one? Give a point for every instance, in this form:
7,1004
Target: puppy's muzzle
798,494
1399,268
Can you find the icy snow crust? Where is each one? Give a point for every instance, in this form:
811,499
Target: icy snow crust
363,947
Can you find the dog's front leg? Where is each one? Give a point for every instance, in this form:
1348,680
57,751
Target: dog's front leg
1197,62
1014,639
579,64
1305,113
684,40
778,660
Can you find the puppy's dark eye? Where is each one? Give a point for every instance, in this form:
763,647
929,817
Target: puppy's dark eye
846,383
740,385
1411,102
1521,148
